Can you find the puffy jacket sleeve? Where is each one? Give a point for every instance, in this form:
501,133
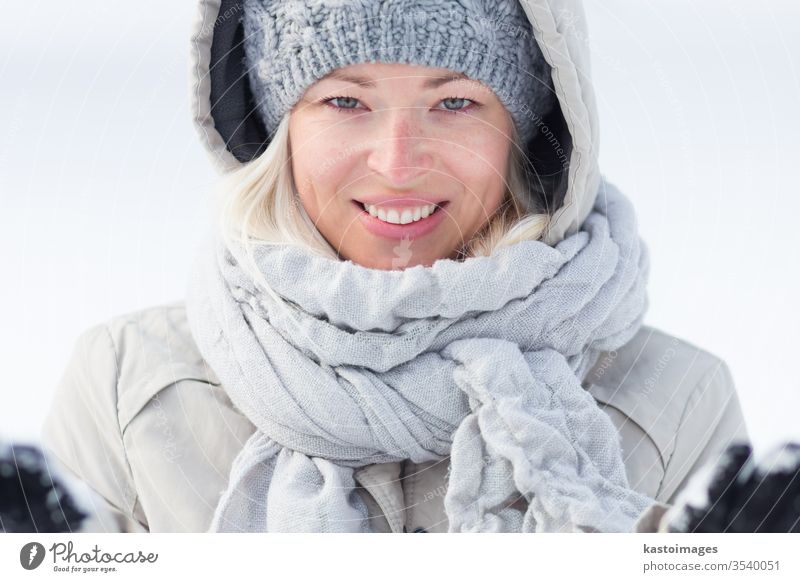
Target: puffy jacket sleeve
82,431
712,420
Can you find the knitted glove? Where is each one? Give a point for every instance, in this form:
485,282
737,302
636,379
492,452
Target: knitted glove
34,495
738,494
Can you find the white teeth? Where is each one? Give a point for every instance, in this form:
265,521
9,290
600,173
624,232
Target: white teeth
401,216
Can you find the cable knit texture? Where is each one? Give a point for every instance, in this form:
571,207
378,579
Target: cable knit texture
482,360
289,45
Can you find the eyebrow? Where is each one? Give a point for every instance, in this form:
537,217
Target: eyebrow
431,83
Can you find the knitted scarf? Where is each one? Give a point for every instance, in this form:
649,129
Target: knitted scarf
480,360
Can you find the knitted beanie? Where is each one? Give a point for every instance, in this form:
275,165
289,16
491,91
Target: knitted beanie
290,44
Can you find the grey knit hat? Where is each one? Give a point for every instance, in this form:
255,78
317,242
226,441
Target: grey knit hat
290,44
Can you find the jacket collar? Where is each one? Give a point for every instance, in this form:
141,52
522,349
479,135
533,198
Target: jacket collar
382,481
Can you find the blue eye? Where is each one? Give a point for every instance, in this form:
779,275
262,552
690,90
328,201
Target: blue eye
342,104
457,101
351,100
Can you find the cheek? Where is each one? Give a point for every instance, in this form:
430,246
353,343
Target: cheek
320,164
482,167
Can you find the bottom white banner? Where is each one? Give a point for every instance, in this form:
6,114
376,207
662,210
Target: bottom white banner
386,557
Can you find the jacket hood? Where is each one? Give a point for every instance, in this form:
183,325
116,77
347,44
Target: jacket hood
564,150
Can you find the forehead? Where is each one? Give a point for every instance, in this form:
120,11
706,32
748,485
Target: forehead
371,74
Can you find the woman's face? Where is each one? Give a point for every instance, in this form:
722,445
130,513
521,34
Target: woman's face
372,152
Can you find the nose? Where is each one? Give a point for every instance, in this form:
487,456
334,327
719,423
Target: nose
401,152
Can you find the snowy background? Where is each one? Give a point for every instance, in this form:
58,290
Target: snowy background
104,186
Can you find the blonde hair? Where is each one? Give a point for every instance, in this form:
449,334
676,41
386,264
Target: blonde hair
260,206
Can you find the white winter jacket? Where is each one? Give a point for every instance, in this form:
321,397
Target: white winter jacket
145,422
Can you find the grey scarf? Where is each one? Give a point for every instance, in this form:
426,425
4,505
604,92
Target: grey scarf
481,360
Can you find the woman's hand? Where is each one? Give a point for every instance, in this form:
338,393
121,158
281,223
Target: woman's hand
738,494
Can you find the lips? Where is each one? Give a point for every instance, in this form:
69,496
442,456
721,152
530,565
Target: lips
411,230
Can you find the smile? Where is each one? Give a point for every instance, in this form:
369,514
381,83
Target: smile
400,215
400,223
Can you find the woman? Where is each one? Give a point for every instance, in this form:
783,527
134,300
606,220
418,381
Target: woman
421,292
